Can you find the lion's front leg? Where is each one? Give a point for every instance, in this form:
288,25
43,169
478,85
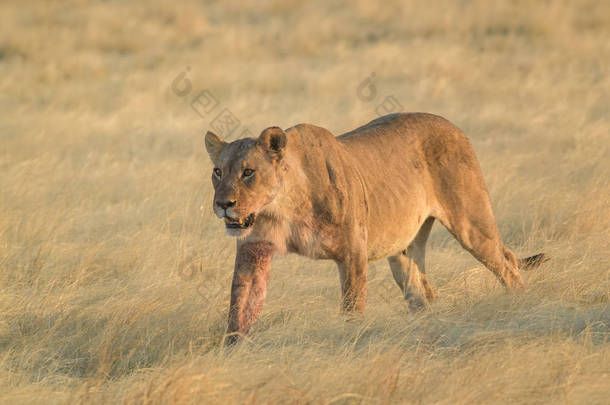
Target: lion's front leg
352,272
249,286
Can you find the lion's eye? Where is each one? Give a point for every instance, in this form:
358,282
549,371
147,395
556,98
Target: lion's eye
248,173
217,172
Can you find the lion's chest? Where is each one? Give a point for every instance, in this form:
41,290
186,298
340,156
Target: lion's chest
301,236
307,240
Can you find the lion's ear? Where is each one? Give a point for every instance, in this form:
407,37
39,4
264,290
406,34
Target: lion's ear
273,141
214,145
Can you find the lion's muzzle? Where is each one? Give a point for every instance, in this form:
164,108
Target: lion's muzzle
237,223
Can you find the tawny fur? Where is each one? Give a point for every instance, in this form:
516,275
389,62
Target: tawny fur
369,194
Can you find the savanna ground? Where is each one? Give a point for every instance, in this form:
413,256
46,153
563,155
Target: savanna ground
115,274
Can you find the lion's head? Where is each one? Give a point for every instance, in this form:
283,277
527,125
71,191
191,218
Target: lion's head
247,176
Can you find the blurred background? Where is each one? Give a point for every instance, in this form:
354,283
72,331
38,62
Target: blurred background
115,274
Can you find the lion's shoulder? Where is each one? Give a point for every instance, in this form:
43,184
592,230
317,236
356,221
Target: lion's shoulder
309,133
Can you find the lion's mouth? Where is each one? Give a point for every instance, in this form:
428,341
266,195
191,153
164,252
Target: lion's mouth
236,223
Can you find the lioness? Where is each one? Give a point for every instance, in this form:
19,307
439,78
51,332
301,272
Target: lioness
368,194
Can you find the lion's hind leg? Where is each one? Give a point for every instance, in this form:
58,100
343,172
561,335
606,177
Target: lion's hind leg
408,269
477,232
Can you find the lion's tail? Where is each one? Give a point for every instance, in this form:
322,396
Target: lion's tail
532,262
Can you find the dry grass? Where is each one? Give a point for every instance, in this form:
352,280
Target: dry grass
103,174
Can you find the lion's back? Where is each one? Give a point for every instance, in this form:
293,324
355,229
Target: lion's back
403,129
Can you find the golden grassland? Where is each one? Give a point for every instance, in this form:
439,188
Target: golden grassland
115,274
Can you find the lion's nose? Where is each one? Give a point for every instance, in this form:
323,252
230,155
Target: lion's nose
225,204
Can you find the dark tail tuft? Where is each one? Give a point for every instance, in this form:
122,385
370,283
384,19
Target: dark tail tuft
532,262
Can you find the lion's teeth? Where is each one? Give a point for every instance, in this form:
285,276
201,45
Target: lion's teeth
232,221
